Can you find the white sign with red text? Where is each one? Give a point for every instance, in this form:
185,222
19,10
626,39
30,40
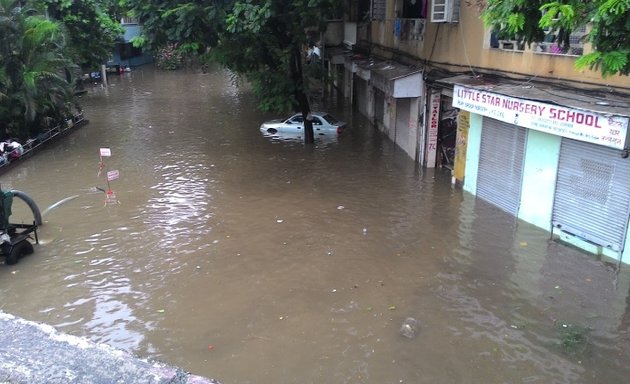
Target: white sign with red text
105,152
592,127
432,132
112,175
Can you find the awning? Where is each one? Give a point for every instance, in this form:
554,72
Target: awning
360,65
397,80
336,55
394,79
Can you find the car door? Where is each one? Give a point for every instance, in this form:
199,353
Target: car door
317,124
294,124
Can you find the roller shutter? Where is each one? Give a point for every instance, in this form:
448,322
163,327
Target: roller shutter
592,198
500,172
401,133
361,95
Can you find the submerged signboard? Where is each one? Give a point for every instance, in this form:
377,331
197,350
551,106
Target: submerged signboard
592,127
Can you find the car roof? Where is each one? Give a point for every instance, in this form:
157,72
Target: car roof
313,113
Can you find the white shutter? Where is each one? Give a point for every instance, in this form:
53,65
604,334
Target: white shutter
500,172
592,199
445,11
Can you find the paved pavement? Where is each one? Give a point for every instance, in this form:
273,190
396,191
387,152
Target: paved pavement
35,353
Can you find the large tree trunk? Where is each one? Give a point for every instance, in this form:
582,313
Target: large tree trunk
300,95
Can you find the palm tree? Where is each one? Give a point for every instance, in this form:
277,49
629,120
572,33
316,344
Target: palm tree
32,75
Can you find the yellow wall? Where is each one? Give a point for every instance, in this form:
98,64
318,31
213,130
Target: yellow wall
465,46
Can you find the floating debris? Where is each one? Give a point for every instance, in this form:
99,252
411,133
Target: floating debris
409,328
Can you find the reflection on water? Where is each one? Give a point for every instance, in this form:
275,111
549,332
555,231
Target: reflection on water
261,260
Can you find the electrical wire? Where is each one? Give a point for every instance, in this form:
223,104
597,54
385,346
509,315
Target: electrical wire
461,34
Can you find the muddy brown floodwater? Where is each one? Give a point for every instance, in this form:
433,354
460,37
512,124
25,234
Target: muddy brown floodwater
257,261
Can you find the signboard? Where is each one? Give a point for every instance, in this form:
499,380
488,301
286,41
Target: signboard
461,144
432,131
592,127
105,152
112,175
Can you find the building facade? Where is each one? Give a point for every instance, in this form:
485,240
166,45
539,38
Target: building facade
125,55
517,125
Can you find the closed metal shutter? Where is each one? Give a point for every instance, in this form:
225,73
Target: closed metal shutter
401,132
592,198
500,173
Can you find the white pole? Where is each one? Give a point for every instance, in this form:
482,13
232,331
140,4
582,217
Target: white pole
104,75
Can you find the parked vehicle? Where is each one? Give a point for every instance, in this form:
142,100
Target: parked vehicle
298,137
323,124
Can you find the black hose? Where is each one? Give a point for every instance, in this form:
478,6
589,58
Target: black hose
31,203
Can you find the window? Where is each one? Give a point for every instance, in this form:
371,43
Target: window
445,11
128,51
331,120
297,119
576,44
358,11
378,10
414,9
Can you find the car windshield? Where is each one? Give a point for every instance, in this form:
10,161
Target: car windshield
331,120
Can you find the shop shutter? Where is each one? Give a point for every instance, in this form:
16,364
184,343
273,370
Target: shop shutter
500,172
592,199
401,133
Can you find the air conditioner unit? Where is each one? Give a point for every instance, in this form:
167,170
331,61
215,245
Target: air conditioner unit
445,11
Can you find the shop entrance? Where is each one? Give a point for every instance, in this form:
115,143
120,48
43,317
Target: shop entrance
447,133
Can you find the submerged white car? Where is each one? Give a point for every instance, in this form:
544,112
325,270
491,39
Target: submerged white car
323,124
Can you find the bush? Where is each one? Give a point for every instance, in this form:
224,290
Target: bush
169,58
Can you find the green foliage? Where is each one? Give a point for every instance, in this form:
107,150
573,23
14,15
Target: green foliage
138,41
529,21
514,20
165,22
259,40
33,70
92,32
169,57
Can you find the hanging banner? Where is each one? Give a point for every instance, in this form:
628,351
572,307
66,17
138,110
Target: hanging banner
592,127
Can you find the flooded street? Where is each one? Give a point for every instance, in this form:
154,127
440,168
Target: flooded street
257,261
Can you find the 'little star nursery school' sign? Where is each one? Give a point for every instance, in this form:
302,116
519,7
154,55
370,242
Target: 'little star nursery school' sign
589,126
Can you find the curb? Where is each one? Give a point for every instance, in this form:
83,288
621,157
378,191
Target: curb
36,353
